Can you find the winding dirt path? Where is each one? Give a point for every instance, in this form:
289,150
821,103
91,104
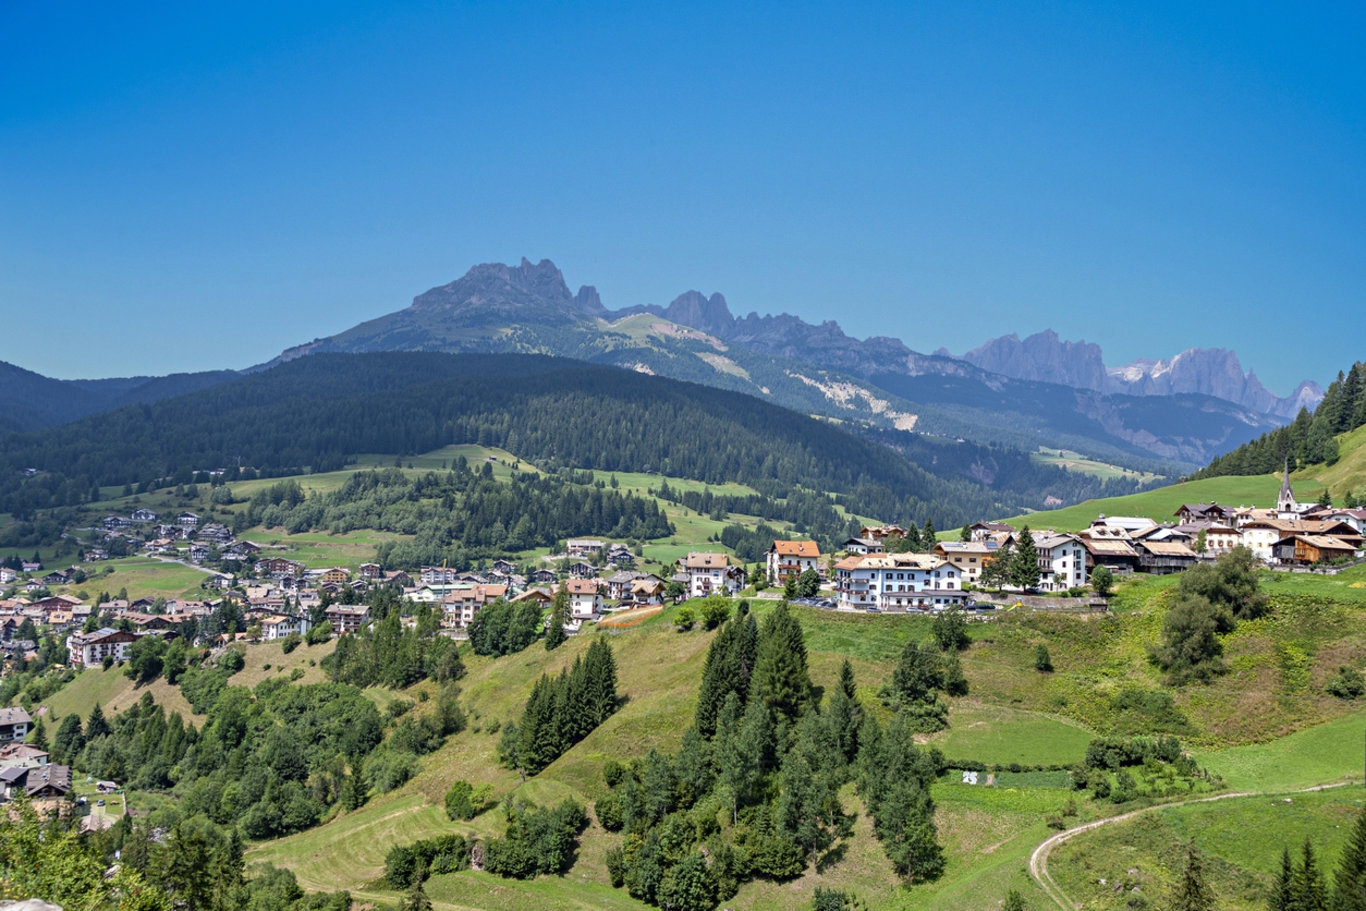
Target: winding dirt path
1038,861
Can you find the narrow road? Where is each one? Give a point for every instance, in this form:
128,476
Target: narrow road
1038,861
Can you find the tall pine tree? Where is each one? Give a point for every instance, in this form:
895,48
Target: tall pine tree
781,680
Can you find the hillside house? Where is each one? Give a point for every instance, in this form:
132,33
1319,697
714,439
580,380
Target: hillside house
862,546
462,603
1356,518
585,599
582,570
280,626
969,557
1163,557
1203,512
334,576
345,619
41,782
540,577
1062,562
709,572
988,531
1120,525
14,724
882,532
279,568
1261,536
619,585
1114,553
583,547
897,582
371,572
90,649
187,520
1307,550
542,596
22,755
438,575
648,590
789,559
143,515
7,575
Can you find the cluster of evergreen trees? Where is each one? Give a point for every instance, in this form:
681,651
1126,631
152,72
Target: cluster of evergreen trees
1302,886
562,710
1307,440
271,760
385,653
765,748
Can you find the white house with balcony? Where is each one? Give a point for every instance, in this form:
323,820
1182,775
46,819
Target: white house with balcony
898,582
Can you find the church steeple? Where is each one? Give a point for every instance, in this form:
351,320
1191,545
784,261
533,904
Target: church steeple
1285,501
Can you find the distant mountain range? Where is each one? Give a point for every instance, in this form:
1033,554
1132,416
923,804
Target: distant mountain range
1162,416
1206,371
821,370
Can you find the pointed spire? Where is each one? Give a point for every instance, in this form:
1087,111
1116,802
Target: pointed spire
1285,501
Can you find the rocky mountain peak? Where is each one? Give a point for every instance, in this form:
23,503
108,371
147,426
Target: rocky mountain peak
500,288
709,314
1043,357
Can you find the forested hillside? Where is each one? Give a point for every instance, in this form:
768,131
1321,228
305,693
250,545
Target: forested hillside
1309,439
317,413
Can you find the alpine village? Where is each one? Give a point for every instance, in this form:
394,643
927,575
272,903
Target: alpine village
594,637
995,542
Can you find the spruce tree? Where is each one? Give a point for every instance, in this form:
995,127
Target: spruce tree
38,738
601,673
847,684
1283,894
1024,564
555,635
1310,892
781,680
1192,892
1349,886
720,675
95,725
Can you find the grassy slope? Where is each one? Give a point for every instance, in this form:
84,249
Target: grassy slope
1241,840
115,692
1075,461
1013,714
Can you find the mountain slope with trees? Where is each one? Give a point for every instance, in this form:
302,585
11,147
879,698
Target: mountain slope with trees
317,413
816,369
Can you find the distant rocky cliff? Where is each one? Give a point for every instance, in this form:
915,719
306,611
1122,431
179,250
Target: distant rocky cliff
1206,371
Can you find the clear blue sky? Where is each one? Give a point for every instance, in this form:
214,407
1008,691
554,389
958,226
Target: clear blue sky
202,185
